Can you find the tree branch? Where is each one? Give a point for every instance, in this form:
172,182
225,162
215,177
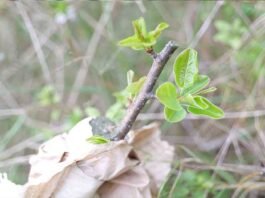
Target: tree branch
159,61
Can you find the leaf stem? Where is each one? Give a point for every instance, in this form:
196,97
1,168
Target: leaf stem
159,61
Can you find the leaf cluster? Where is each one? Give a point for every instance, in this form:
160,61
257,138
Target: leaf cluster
186,94
141,38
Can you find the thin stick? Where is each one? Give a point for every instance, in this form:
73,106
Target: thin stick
90,53
159,61
36,43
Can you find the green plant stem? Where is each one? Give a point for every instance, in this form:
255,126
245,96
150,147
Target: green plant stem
159,61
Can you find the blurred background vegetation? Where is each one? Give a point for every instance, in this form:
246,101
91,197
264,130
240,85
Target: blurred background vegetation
60,58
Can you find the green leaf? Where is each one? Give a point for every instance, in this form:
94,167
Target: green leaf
186,68
97,139
196,101
140,29
200,82
141,38
200,102
212,111
134,88
173,115
167,95
132,42
156,33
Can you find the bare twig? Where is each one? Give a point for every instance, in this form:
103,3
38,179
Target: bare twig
159,62
35,42
90,52
12,112
207,23
28,143
15,161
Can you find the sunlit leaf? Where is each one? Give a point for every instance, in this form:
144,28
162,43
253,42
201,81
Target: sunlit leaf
140,29
97,139
132,42
141,38
186,68
173,115
212,111
156,33
167,95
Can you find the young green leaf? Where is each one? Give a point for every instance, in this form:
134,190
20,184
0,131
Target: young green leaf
141,38
200,103
173,115
195,101
186,68
132,42
134,88
156,33
200,82
97,139
140,29
212,111
167,95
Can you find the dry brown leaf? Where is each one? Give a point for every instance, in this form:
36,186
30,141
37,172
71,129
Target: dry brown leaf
156,154
69,166
132,184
